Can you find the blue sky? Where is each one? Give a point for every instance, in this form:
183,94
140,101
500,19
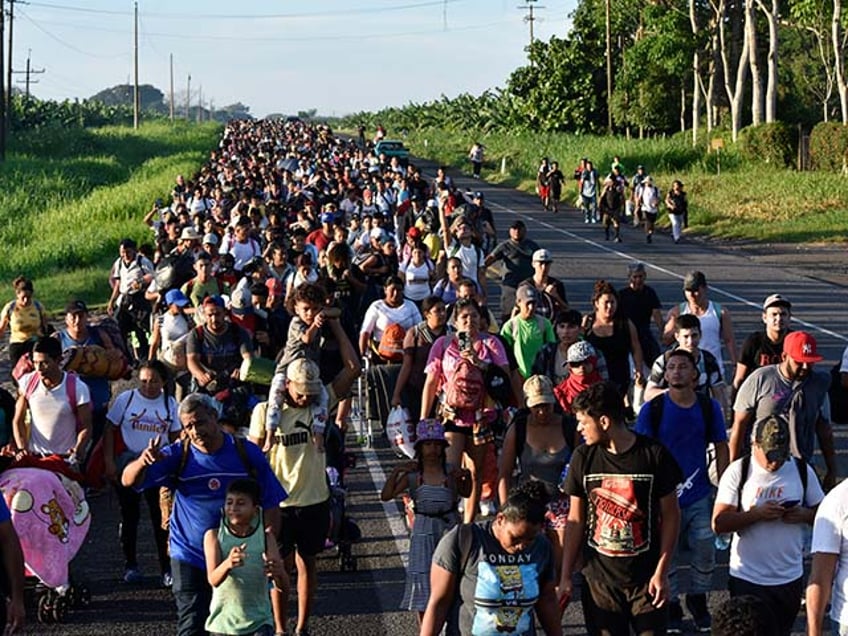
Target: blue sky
339,56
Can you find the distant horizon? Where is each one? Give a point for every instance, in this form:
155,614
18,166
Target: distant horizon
340,58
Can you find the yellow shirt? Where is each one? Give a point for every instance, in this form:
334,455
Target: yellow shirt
24,322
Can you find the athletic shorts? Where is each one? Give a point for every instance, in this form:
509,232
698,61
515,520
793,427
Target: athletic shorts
304,528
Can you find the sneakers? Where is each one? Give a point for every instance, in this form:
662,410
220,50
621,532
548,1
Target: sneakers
618,239
697,606
675,618
487,508
133,575
167,580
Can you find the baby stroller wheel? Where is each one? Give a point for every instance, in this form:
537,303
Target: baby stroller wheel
60,609
80,596
45,609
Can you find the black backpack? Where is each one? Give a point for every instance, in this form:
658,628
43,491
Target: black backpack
173,271
657,405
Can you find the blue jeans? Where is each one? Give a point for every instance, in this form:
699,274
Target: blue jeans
695,529
193,594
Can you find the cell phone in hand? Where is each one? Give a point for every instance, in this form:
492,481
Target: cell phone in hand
158,203
791,503
464,339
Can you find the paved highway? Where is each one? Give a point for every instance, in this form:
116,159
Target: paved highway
364,602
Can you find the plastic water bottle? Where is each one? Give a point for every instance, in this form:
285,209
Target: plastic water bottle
562,477
722,541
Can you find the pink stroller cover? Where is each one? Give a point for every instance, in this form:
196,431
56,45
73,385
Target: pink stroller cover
51,517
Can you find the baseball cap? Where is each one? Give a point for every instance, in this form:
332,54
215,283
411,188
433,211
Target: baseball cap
478,195
76,307
694,280
430,430
636,268
304,376
542,256
518,224
176,297
778,300
214,301
771,434
526,294
414,233
801,347
538,389
328,217
579,352
210,239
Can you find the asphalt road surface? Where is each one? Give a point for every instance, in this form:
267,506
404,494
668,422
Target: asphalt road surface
365,602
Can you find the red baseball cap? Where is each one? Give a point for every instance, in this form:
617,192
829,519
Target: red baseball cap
414,233
801,347
275,287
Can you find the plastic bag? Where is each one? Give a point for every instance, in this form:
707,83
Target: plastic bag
400,429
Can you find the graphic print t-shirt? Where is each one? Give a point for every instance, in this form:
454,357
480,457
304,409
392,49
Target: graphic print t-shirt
498,589
622,494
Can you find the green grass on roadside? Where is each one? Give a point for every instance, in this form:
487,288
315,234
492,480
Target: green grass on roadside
746,202
67,196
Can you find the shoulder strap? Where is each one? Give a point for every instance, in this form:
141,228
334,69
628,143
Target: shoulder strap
520,433
127,406
465,533
801,465
412,482
513,329
186,443
706,404
717,307
32,385
656,407
242,453
743,477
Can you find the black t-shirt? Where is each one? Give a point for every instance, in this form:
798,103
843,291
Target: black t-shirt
639,306
759,351
622,494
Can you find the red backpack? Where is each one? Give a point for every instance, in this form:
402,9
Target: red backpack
467,388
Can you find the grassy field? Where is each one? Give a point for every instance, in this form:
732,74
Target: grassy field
747,201
67,197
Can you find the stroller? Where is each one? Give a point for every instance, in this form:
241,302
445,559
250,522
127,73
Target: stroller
51,517
343,532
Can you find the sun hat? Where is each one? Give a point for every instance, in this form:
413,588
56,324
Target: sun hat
304,376
430,430
190,234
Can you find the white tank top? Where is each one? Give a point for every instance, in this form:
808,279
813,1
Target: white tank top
710,331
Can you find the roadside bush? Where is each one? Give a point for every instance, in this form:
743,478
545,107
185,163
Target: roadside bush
829,146
773,143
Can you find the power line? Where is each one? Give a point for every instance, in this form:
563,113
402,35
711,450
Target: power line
267,16
284,39
66,44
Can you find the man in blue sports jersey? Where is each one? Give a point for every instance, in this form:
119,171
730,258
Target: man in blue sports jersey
213,459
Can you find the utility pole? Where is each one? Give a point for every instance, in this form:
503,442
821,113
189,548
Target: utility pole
188,96
136,97
29,72
200,104
2,95
9,65
530,18
171,109
609,68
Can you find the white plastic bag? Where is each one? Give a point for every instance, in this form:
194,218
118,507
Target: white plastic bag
400,429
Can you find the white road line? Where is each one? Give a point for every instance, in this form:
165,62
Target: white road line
668,272
378,478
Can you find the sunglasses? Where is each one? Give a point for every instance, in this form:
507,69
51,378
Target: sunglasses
578,364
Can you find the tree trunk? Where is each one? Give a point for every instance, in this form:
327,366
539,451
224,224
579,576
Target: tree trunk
756,75
838,57
772,16
696,74
734,79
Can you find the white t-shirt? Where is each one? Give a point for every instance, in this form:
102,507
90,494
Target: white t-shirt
470,256
843,368
142,419
768,552
54,423
380,315
830,536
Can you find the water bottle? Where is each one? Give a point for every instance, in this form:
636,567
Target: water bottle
722,541
562,477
